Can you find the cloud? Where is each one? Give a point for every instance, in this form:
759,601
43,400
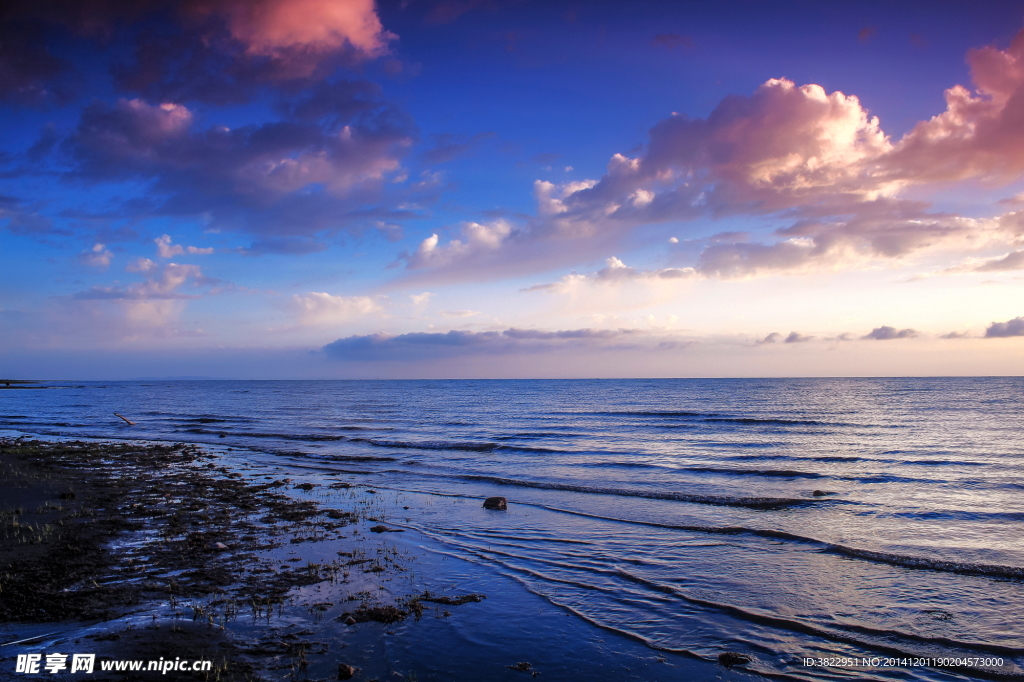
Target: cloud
25,220
817,160
318,308
1014,327
30,74
152,306
793,337
220,51
141,265
97,257
979,135
956,335
161,286
889,333
432,345
615,271
302,30
1011,261
166,250
291,178
477,238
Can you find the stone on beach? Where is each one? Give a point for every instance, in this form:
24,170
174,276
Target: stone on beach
499,503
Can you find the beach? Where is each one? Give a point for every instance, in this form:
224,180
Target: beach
153,552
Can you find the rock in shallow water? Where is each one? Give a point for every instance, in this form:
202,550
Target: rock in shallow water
496,503
731,658
345,672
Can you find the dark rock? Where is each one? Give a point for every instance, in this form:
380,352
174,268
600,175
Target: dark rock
67,496
345,671
350,621
382,529
731,658
305,486
522,666
822,493
499,503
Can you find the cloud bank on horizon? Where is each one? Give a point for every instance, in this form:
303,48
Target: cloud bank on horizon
453,189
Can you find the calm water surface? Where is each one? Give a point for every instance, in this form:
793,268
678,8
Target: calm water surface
785,518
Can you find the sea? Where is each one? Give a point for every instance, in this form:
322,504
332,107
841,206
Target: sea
849,528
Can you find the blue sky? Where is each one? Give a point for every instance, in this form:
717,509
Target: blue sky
337,188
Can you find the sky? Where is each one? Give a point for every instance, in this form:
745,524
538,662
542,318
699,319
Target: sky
304,189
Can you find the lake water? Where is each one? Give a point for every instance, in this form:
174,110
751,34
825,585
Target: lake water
784,518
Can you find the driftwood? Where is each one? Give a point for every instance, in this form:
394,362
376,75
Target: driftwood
126,421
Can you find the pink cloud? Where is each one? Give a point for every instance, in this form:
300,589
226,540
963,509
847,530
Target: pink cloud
302,32
816,159
981,134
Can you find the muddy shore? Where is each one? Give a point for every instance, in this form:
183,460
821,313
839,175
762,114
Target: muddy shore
99,533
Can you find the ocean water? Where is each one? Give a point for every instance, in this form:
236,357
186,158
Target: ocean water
785,518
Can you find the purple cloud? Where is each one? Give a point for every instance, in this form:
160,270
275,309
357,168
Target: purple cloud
890,333
432,345
1014,327
291,178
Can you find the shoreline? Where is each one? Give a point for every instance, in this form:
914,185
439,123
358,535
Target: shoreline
143,550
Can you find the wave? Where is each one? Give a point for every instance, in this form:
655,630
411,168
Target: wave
837,632
782,473
714,417
890,641
891,558
428,445
832,458
556,451
310,437
935,462
908,561
540,434
719,500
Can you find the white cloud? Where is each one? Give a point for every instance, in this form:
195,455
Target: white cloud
615,271
167,250
319,308
141,265
97,257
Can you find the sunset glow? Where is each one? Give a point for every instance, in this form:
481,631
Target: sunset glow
338,189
